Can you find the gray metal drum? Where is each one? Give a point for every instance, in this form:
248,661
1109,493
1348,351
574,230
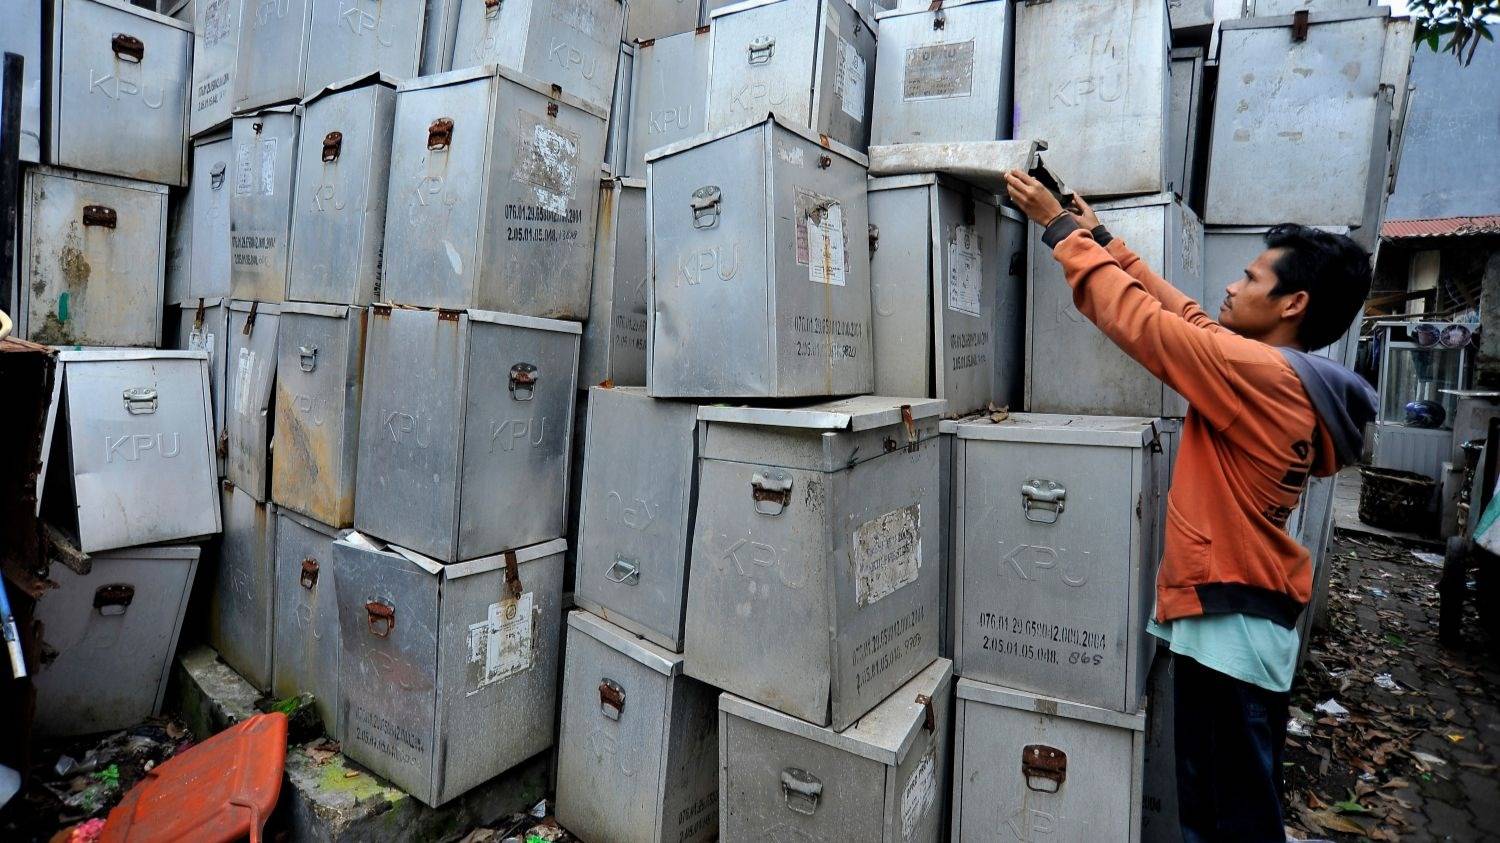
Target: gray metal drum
648,20
636,519
934,267
826,511
766,51
1027,767
112,634
493,192
203,325
355,38
216,41
668,94
343,174
1293,113
250,374
883,779
22,35
260,207
465,427
637,749
614,338
139,466
760,268
209,263
1105,118
1054,543
448,673
619,113
118,73
305,644
1071,366
271,57
240,611
320,350
1010,309
93,258
944,74
1182,142
574,44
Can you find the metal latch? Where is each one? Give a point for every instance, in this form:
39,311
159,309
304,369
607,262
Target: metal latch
624,571
491,8
1045,767
513,588
128,47
309,572
216,176
102,215
440,133
113,599
705,204
772,492
1299,25
307,357
381,618
801,790
1043,496
140,400
929,719
761,49
611,699
523,379
333,143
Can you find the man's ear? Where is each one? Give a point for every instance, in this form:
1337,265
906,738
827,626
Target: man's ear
1294,305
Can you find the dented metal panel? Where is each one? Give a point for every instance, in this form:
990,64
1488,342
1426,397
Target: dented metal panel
492,196
216,41
203,325
271,57
668,95
240,610
305,644
251,377
572,44
413,676
208,198
93,255
319,381
638,742
614,338
119,72
260,205
353,38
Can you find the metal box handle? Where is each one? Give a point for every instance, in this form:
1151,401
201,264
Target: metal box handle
381,618
139,400
772,492
1045,498
705,204
929,718
333,143
624,571
309,572
801,790
523,379
1045,767
440,133
113,599
761,49
100,215
611,699
307,357
491,8
216,176
128,47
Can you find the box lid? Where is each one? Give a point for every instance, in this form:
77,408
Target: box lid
149,15
1058,429
312,523
486,71
757,123
516,320
626,643
984,692
908,180
980,163
1312,18
482,565
861,412
205,301
244,306
109,355
884,735
372,78
182,552
307,308
746,5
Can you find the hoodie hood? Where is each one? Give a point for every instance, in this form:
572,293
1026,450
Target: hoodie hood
1343,401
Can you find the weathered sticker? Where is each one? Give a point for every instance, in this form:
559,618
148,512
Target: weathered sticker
242,381
201,340
244,170
825,243
886,553
965,274
502,644
849,84
217,21
268,148
548,161
938,71
918,795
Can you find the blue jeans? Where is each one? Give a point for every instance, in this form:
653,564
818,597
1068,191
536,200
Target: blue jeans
1229,737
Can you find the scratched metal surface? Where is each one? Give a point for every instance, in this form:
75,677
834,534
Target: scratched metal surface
571,43
271,53
240,615
261,178
305,644
364,36
668,95
216,42
614,338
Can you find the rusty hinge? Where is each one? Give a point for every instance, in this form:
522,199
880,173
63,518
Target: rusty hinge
257,126
512,576
911,427
116,598
309,572
380,618
491,7
100,215
1299,25
447,315
646,43
128,47
929,719
1045,767
611,699
250,318
198,316
222,450
440,133
333,143
383,309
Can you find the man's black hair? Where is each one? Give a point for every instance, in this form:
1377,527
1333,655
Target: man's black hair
1332,269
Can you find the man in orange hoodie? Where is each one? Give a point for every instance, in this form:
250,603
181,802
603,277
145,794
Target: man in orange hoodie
1263,415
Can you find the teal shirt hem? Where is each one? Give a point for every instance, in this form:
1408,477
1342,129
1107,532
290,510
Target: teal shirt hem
1249,648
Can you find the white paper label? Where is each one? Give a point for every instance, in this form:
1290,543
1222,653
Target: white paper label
242,379
268,166
887,553
501,645
825,244
244,172
849,85
548,161
918,795
965,275
201,340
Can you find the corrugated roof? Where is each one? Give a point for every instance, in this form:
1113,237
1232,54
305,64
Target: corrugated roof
1442,227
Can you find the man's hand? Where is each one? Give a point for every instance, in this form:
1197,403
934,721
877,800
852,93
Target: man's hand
1034,200
1085,216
